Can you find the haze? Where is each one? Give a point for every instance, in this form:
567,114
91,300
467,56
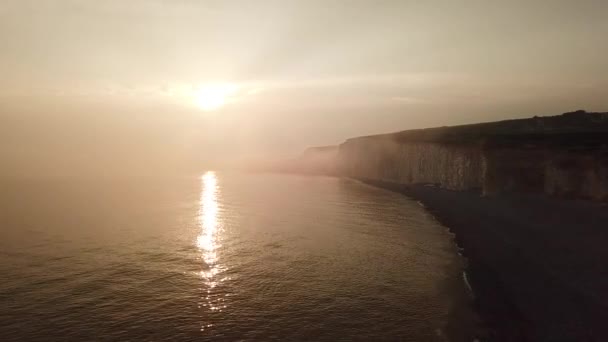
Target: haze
113,87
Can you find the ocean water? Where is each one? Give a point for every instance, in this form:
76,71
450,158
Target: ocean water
224,256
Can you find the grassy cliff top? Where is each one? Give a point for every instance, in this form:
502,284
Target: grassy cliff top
568,128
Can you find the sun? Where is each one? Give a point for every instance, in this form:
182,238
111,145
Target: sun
214,96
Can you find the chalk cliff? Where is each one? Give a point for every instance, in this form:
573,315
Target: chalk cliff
564,155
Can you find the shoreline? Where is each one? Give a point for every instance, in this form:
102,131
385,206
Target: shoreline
535,264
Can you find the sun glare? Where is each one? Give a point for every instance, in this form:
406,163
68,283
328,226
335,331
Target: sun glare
214,96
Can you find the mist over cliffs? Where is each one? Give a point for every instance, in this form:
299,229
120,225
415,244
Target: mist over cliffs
564,155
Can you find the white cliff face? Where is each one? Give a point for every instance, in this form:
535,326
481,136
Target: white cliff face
455,167
577,176
464,167
564,155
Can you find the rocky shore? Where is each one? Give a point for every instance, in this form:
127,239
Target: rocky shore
537,265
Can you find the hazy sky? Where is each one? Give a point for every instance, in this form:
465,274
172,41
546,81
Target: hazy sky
90,85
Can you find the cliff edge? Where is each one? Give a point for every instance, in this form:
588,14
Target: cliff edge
564,155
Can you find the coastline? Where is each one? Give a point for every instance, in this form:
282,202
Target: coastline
527,201
535,263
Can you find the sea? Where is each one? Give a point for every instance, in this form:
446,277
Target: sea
225,256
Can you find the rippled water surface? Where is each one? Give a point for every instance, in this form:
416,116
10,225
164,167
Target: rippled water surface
222,257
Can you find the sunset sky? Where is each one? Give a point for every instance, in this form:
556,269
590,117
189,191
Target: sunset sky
90,85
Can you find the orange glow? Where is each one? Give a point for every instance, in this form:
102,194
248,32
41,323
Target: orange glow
214,96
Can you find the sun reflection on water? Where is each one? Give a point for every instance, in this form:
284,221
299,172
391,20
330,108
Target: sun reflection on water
208,242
